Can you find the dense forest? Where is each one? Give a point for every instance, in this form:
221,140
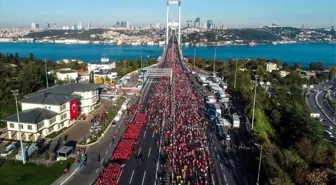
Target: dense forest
294,148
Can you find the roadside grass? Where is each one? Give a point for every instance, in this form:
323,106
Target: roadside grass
55,134
14,172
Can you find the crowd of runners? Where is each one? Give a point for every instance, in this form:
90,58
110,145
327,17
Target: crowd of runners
173,110
176,109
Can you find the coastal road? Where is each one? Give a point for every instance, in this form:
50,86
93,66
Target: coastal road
317,103
100,153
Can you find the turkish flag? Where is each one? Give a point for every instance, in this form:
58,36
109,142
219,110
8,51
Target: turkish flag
73,109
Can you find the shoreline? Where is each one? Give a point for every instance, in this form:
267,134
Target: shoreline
198,45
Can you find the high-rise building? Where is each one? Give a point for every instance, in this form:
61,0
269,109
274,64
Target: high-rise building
189,24
127,24
197,22
75,27
47,25
34,25
80,27
89,26
117,24
54,25
209,24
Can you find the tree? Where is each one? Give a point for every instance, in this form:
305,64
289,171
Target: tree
31,57
316,66
316,177
276,116
285,66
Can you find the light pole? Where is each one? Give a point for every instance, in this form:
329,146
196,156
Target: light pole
261,148
214,65
46,72
16,93
234,85
254,100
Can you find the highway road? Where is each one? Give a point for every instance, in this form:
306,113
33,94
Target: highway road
232,165
143,173
321,104
100,153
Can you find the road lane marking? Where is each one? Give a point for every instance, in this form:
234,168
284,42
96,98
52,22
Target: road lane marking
131,177
145,134
120,176
215,149
110,143
153,134
221,165
70,176
217,156
97,170
149,151
139,151
210,135
225,178
117,131
101,162
143,178
106,152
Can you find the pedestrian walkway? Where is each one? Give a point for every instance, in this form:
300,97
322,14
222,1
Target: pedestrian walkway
99,153
66,176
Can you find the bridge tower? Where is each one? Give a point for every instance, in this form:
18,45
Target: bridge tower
173,25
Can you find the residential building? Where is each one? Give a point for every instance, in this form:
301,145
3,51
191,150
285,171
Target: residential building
97,67
283,73
270,66
110,73
51,110
67,75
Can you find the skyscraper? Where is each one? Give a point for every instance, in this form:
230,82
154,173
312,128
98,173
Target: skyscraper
118,24
80,26
89,26
197,22
47,25
33,25
209,24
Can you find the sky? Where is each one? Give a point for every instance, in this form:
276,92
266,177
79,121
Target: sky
230,13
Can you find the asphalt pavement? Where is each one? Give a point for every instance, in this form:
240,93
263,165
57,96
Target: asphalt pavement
321,104
100,153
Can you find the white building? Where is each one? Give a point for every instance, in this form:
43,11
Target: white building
96,67
111,74
52,109
271,66
67,75
283,73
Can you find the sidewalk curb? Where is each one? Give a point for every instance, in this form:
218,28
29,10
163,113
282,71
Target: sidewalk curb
102,135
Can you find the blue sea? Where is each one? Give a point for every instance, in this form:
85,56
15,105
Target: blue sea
291,53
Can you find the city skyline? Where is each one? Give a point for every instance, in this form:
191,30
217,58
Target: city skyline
229,13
